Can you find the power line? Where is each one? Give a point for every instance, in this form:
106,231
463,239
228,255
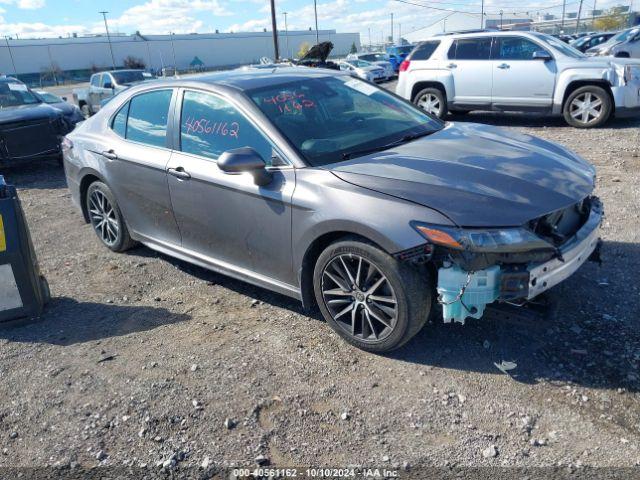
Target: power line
475,14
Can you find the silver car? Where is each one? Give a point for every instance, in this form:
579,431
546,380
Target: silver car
364,70
328,189
376,58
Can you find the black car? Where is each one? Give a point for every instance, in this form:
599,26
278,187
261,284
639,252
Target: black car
317,57
71,113
29,128
589,41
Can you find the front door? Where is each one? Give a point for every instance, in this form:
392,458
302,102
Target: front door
470,66
228,218
519,80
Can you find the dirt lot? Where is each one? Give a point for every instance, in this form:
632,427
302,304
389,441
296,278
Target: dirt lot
201,368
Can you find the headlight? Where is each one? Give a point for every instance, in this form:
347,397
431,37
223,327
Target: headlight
493,240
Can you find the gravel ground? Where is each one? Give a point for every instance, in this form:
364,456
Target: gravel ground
142,360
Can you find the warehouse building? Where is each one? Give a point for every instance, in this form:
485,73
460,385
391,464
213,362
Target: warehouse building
43,60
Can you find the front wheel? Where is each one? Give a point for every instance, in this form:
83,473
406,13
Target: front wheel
432,101
369,298
587,107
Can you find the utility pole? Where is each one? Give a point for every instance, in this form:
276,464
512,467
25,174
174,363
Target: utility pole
391,28
274,29
564,6
593,15
578,19
286,34
444,25
482,16
15,72
369,28
501,13
106,27
399,34
315,11
173,49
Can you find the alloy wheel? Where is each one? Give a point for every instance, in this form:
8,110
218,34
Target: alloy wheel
103,218
429,103
586,108
359,298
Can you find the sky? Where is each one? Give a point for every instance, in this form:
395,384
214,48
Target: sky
371,18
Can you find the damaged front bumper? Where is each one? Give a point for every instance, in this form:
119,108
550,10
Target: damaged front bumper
465,293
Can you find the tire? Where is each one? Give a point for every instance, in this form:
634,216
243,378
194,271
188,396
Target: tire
432,101
599,112
404,295
102,207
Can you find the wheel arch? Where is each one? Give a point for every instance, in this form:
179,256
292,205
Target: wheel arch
422,84
88,176
311,254
573,85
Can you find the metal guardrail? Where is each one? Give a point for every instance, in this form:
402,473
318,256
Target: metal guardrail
23,290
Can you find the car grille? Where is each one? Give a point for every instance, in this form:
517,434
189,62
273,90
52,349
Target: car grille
27,139
559,226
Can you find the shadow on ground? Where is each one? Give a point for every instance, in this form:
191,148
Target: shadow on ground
533,120
68,322
44,174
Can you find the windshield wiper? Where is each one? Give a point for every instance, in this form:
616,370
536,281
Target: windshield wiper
405,139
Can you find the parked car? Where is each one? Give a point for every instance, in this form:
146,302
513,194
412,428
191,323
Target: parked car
378,59
397,54
29,128
105,85
328,189
71,113
589,41
518,71
364,70
625,44
317,57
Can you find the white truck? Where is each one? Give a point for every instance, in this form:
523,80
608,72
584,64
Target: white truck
518,71
105,85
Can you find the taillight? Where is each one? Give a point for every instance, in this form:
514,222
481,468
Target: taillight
404,66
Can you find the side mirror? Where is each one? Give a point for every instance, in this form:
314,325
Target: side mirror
245,159
64,98
108,85
542,55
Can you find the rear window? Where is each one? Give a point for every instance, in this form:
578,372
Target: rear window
470,49
424,50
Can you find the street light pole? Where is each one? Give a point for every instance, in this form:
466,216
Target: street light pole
391,37
578,19
286,34
315,11
482,16
15,72
106,27
274,29
501,13
564,6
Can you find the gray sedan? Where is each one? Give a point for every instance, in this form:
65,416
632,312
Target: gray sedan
325,188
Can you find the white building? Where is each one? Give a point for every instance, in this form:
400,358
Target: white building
29,58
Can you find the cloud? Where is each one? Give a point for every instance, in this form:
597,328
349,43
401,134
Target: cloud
25,4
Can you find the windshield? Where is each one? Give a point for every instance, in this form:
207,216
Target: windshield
374,57
328,118
49,97
559,45
622,36
129,76
16,94
359,63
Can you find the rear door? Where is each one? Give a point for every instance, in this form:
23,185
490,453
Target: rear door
519,80
470,66
135,159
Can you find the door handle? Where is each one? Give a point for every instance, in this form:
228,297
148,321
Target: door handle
504,66
179,173
452,65
111,155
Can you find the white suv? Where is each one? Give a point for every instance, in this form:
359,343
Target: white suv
518,71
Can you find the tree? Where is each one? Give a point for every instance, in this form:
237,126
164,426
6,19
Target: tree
52,73
133,62
613,21
354,49
304,48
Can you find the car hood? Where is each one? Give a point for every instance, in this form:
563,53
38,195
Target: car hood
476,175
27,113
318,52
